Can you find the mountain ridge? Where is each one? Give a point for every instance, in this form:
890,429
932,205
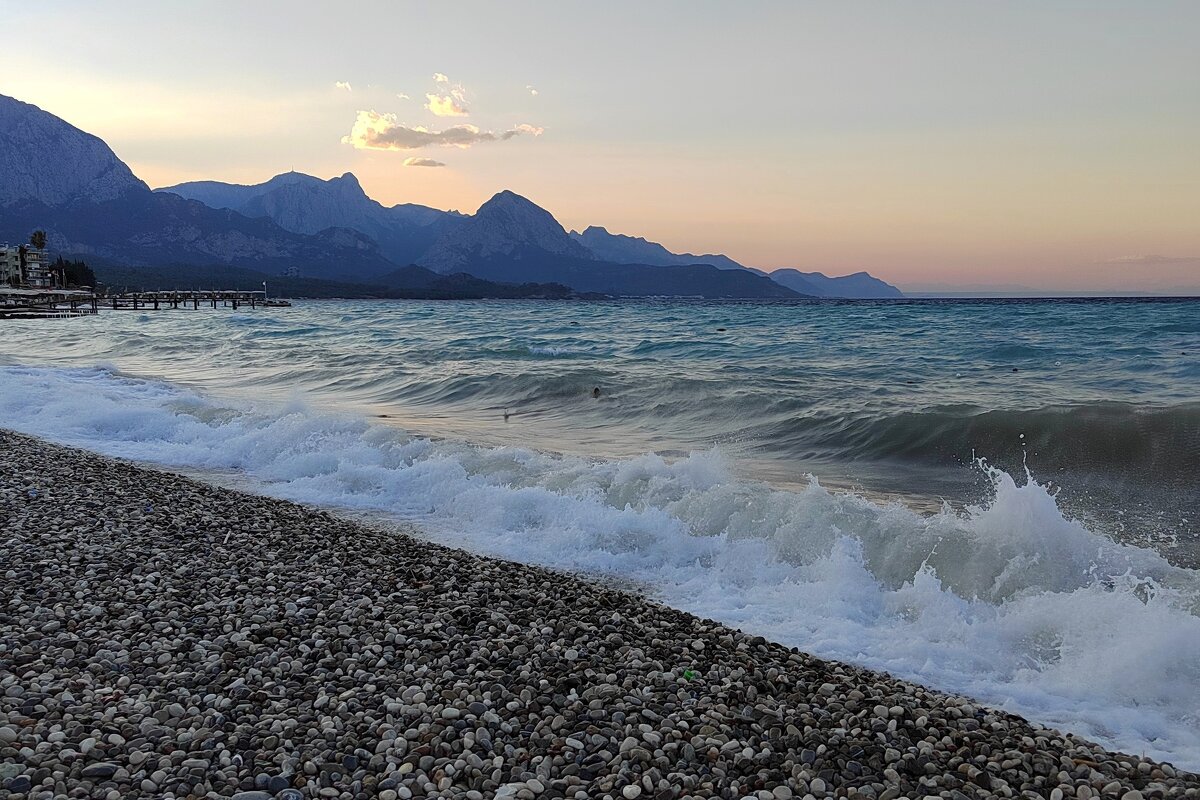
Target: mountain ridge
84,166
59,178
507,224
72,185
624,249
859,285
302,203
442,247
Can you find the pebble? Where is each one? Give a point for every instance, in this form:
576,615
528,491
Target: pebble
217,644
104,769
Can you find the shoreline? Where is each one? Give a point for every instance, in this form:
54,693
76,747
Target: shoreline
164,637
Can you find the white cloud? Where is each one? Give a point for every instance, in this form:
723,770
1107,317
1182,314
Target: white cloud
403,96
423,162
532,130
375,131
532,90
440,78
448,106
343,85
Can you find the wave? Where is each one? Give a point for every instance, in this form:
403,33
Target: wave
1009,601
556,351
1154,441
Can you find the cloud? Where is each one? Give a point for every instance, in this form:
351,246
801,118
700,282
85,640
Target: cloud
1153,260
448,106
440,78
375,131
403,96
423,162
343,85
532,130
531,90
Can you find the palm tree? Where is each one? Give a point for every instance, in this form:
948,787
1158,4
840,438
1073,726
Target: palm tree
38,239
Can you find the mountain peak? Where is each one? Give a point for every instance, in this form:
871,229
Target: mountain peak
47,159
507,199
522,220
506,225
289,178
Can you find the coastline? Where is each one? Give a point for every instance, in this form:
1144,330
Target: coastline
164,637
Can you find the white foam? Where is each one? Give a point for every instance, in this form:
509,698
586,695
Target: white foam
1008,602
555,351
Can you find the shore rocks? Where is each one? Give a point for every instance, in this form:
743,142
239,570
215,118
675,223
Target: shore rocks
161,637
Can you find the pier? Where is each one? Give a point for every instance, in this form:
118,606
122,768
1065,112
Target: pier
29,303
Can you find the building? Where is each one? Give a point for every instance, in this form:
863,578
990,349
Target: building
37,274
10,266
25,266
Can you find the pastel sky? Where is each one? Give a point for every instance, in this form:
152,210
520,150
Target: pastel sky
935,144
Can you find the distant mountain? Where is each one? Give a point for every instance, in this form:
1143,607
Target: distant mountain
420,282
859,285
624,249
304,204
148,231
507,226
512,240
55,177
627,280
44,158
621,249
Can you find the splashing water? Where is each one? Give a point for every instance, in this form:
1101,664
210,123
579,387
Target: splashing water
1008,601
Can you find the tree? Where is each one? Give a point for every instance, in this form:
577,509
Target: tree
75,273
38,239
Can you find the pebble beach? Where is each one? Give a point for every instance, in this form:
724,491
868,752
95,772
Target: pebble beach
163,637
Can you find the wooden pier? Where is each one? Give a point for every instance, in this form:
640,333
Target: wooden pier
65,303
154,301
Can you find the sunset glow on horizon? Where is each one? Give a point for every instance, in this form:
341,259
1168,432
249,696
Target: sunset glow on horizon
939,145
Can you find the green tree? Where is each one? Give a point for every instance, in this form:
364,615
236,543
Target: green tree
38,239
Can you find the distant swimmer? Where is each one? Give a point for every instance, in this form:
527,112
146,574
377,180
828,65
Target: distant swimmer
596,392
506,415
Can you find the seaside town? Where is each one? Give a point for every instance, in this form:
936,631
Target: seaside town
31,284
34,286
26,266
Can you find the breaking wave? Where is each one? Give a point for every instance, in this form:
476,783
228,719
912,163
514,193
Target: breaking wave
1009,601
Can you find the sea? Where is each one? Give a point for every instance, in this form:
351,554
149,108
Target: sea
996,498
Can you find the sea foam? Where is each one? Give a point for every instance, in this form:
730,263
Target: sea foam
1009,601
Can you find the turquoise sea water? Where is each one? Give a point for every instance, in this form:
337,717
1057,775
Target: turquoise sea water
807,471
1100,397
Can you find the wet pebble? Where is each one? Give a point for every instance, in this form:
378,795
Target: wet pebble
167,638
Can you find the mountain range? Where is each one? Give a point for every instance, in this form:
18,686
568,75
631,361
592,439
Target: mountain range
56,177
303,204
634,249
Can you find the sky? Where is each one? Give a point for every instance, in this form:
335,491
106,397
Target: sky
938,145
